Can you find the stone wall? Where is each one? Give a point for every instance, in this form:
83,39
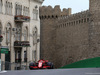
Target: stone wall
49,20
72,40
66,37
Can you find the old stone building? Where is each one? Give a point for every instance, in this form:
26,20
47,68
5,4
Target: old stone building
66,37
20,28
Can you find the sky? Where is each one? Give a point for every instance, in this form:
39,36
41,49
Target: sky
76,5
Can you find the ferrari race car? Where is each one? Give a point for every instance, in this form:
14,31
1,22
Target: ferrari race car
41,64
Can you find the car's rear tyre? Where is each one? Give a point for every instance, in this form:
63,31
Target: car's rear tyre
51,65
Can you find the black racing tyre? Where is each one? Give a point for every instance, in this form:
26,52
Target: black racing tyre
51,65
31,64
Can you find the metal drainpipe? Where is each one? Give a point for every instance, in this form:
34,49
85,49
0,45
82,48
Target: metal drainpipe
0,56
27,58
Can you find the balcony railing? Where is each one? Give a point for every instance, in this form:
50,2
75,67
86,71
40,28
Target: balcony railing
1,38
21,44
25,59
18,60
39,1
22,18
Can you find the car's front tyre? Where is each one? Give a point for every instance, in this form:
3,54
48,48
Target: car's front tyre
30,66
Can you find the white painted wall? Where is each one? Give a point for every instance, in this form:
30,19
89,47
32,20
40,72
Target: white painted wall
4,19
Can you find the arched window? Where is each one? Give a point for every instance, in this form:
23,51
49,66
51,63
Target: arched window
6,7
18,9
35,14
34,54
84,20
26,34
52,16
24,10
35,31
28,12
45,16
35,36
1,6
11,8
48,16
0,28
8,33
21,10
56,16
19,33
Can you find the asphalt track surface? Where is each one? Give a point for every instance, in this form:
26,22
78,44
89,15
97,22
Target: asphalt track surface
85,71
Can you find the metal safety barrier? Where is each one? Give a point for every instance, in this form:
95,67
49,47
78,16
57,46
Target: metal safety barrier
13,66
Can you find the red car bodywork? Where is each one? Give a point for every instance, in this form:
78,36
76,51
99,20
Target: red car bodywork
42,64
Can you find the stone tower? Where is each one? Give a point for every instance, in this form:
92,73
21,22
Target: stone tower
94,28
94,5
49,17
94,8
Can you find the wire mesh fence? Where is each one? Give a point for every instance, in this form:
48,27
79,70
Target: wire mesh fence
13,66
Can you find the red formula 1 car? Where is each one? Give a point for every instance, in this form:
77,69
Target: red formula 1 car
41,64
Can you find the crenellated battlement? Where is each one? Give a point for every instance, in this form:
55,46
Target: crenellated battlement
79,15
74,19
49,12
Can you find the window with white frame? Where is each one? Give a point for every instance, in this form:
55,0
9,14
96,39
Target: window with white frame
25,34
26,11
21,10
1,4
18,9
25,56
0,28
35,36
18,34
8,8
11,9
35,14
8,33
34,54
